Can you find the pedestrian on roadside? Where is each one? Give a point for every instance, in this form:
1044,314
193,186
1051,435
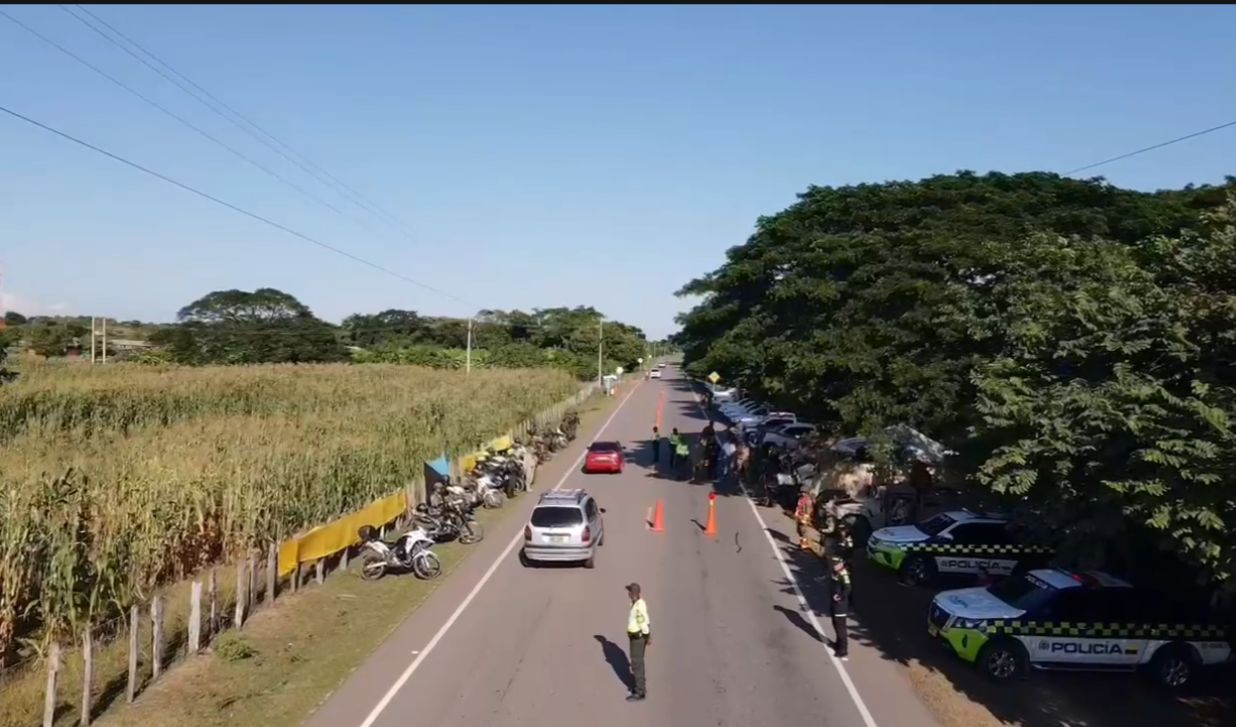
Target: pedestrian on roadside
683,452
803,515
656,445
639,633
728,452
839,604
675,442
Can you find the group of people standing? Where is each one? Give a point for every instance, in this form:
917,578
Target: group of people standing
717,455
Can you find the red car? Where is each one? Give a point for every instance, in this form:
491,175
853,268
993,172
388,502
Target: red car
604,457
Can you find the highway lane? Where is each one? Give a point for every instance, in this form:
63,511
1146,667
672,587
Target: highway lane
500,644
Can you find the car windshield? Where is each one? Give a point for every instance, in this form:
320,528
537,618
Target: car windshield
936,525
1026,593
605,447
556,517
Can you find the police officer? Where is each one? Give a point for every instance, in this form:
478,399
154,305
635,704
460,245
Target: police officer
639,633
675,441
839,604
656,444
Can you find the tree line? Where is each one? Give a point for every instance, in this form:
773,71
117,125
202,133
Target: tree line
1073,341
270,326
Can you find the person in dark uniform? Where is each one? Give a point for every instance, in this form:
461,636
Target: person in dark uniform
839,592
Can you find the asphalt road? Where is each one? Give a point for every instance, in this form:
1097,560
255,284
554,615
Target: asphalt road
504,645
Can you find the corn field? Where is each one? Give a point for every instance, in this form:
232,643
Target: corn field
115,479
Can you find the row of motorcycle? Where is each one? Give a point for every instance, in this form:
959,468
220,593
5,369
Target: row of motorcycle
450,510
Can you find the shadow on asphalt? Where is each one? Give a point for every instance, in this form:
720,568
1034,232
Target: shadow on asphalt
617,660
800,622
889,618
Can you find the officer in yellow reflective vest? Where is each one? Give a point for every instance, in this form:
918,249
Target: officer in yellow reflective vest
639,632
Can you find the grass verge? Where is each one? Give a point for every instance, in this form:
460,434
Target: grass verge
288,659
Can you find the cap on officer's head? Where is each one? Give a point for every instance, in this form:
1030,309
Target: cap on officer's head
633,589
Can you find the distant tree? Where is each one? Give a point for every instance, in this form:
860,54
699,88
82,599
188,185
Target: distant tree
8,337
238,327
392,326
13,318
49,339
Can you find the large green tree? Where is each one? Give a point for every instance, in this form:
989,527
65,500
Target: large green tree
927,302
239,327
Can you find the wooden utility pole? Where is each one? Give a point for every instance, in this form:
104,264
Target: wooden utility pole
468,358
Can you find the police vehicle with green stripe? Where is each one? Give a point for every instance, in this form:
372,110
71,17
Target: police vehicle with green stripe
1092,621
955,543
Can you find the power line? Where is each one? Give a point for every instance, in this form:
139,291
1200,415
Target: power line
248,126
1152,148
229,205
205,134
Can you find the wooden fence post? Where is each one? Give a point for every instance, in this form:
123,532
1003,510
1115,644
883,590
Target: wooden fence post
296,578
251,593
320,571
272,572
134,623
240,593
87,669
195,617
343,558
53,672
212,585
156,640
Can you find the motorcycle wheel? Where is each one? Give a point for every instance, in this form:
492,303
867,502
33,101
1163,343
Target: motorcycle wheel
372,567
493,499
426,565
471,532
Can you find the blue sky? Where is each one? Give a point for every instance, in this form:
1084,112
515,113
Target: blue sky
555,155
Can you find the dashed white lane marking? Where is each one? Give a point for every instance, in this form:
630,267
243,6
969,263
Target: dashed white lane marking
385,701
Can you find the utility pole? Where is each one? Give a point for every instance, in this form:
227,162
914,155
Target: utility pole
468,359
600,352
104,339
91,339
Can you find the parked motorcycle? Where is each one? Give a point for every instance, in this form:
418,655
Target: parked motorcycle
412,551
452,520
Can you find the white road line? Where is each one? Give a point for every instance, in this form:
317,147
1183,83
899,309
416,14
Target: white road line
803,606
519,536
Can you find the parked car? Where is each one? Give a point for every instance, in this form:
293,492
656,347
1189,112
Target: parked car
956,543
604,457
722,394
565,526
1059,619
787,436
755,435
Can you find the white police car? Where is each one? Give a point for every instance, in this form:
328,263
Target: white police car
1058,619
959,542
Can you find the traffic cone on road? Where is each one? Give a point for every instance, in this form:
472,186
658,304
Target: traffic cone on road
711,529
658,520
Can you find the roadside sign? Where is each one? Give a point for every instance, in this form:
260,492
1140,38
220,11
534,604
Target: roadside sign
619,370
639,360
714,377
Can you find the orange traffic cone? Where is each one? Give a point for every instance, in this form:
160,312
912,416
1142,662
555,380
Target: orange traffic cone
658,520
711,529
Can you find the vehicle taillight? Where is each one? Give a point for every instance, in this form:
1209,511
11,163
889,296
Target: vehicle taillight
587,534
527,532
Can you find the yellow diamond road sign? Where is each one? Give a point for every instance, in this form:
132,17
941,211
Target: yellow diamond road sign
714,377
